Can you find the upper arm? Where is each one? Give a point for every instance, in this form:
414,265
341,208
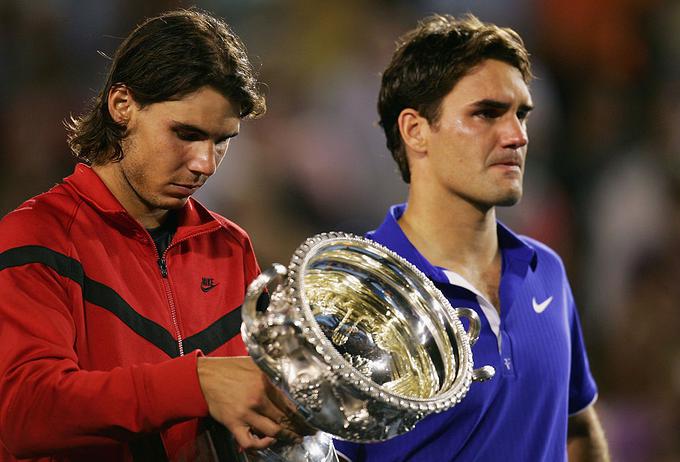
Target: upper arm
582,386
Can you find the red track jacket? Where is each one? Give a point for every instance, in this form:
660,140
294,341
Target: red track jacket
99,333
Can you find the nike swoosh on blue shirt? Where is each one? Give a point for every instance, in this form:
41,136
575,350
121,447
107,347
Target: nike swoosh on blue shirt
540,307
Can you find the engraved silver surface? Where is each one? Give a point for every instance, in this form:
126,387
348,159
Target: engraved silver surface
359,338
316,448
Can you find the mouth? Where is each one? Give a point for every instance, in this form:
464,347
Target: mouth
185,189
510,162
509,165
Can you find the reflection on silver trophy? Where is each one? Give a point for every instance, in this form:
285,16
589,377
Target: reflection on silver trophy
360,340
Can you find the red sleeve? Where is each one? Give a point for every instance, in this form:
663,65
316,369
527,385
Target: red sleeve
47,403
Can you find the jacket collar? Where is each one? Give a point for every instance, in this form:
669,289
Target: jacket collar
517,254
193,217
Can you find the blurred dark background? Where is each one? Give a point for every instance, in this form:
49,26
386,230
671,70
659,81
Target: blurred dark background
603,179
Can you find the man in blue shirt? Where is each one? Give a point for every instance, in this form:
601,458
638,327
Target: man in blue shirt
454,103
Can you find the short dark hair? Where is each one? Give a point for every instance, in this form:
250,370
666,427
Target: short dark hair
166,58
430,60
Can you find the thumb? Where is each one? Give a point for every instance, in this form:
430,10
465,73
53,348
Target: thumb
247,440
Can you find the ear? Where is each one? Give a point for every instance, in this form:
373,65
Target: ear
414,130
121,104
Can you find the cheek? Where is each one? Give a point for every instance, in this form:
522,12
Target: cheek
464,127
221,152
168,153
459,136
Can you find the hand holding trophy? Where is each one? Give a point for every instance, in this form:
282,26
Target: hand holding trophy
360,340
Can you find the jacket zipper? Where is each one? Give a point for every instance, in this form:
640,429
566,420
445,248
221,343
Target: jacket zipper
163,266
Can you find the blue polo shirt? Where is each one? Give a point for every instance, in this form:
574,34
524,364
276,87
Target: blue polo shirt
535,345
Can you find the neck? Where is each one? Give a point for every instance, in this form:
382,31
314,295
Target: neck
452,233
119,186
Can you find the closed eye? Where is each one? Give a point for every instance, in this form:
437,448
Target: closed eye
189,135
523,112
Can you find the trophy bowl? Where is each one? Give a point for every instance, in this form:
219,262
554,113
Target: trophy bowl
359,339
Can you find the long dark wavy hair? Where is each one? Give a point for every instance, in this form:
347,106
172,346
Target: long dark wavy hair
166,58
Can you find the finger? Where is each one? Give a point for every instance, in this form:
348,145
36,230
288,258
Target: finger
288,436
290,417
297,423
267,419
248,440
269,409
266,427
279,399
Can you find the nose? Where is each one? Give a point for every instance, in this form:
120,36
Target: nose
515,133
203,158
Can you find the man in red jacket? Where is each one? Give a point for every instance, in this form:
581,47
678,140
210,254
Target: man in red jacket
116,283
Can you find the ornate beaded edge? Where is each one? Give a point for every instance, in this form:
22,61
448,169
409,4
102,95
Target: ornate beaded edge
340,365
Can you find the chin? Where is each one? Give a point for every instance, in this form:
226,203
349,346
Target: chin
509,199
172,204
508,202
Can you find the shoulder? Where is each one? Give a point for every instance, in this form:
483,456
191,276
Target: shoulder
235,231
41,220
202,214
239,240
539,247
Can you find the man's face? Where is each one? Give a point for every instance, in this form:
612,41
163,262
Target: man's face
477,148
172,148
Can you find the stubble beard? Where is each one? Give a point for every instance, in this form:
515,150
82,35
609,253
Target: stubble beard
138,183
510,198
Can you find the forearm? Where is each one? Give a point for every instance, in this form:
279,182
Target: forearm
46,409
49,402
586,441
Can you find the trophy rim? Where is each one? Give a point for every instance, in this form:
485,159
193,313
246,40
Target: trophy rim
340,366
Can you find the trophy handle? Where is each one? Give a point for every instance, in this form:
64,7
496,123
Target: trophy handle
269,279
485,372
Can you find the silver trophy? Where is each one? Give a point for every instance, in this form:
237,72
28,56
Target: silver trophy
360,340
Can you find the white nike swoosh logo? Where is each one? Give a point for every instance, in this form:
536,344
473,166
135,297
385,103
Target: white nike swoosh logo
540,307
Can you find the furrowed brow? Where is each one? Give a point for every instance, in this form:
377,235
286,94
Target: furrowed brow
499,105
490,104
200,131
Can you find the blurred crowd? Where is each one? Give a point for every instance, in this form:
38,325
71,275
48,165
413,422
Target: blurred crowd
603,176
